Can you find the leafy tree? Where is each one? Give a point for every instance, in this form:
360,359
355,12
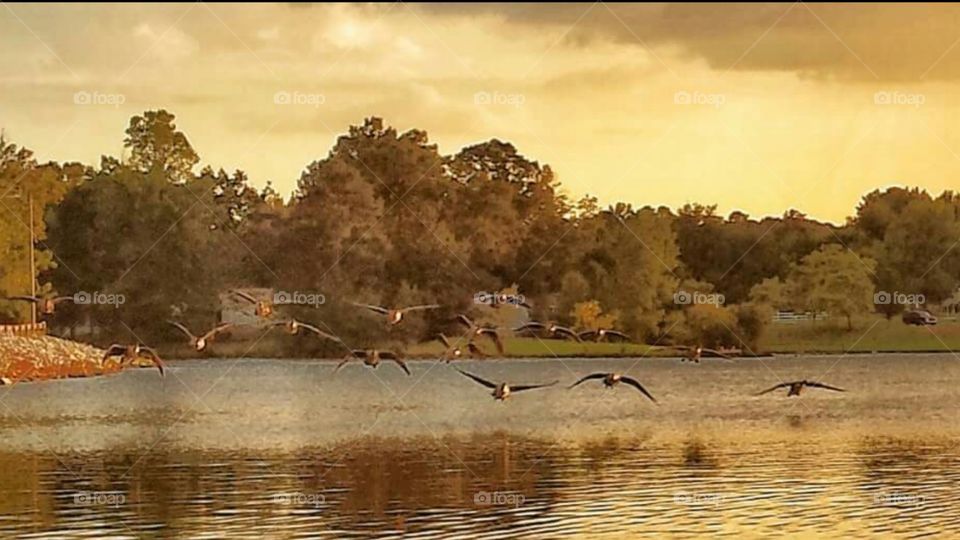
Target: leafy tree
833,280
156,144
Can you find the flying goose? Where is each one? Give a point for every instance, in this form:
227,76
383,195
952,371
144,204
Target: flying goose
555,330
612,379
372,358
797,386
200,342
694,354
501,391
294,326
394,316
262,308
476,330
455,352
46,306
603,333
131,353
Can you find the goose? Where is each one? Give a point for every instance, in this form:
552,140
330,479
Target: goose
200,342
476,330
262,308
694,354
455,352
131,353
554,330
394,316
501,391
612,379
372,358
294,326
46,306
797,386
600,334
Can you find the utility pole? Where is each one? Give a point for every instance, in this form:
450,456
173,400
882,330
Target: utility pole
33,265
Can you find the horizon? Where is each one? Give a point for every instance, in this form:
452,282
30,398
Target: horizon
735,113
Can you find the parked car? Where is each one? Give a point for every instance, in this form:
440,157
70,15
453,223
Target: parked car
919,317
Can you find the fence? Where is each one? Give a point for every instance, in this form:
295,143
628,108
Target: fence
23,330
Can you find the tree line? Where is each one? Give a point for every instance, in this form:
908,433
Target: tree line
386,218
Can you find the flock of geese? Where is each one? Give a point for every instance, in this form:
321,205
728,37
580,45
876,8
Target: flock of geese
263,309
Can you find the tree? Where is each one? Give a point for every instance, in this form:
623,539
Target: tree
833,280
156,144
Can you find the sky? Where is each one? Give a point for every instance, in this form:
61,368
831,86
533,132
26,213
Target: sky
757,108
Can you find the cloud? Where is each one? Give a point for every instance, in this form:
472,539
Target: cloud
890,42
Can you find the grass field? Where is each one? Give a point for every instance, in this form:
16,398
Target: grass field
870,334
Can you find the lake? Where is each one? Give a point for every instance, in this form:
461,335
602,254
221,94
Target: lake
290,449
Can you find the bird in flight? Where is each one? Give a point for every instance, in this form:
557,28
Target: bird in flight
501,391
454,351
601,334
372,358
131,353
797,386
475,330
694,354
554,330
294,326
395,315
199,343
46,306
262,308
612,379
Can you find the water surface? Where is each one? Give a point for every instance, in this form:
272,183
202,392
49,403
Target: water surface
287,449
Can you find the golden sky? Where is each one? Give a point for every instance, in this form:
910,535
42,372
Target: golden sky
756,108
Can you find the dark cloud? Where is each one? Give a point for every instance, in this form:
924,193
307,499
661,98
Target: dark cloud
889,42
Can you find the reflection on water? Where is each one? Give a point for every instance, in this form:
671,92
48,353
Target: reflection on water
285,450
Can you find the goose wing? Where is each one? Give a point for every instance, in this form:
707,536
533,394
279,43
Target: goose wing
825,386
443,339
464,320
589,334
319,332
212,333
495,336
522,387
153,356
532,325
33,299
716,353
588,378
183,329
772,388
420,308
114,350
393,357
636,384
244,295
480,380
377,309
619,334
562,330
59,299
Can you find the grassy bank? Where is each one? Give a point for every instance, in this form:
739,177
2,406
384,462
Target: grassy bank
869,334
